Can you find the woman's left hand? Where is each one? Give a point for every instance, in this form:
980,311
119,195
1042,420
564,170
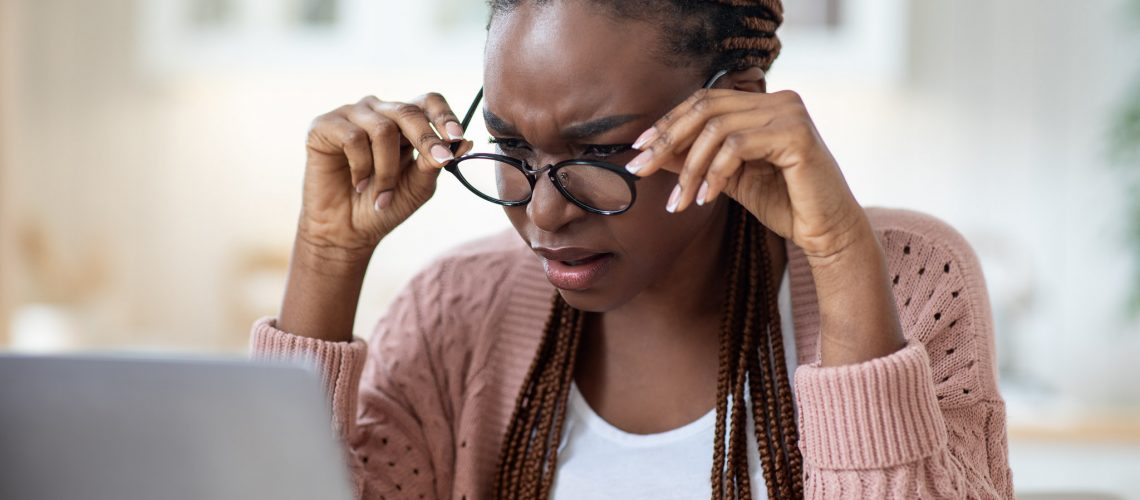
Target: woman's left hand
763,151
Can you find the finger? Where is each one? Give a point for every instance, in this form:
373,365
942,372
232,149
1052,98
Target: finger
464,148
353,141
738,148
384,144
705,147
413,123
675,131
441,115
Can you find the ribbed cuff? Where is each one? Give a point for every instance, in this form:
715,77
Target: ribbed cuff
875,414
338,363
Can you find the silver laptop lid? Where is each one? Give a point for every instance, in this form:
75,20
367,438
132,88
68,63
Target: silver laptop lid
129,428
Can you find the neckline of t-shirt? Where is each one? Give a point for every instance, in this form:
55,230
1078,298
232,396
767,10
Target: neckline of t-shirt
590,418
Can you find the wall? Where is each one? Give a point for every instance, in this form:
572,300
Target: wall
151,204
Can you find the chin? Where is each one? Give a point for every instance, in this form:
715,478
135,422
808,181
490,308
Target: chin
595,300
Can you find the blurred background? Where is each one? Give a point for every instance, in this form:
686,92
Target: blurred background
151,154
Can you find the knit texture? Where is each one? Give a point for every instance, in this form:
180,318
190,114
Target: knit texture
424,404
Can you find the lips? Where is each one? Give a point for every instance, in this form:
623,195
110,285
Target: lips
573,268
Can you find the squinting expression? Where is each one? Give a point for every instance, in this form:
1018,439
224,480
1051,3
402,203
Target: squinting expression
563,81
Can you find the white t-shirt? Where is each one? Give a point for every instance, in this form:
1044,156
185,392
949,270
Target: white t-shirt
599,461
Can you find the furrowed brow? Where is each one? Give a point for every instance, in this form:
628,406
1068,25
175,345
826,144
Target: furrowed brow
593,128
576,132
497,124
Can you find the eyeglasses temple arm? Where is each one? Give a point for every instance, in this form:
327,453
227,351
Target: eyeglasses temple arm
467,117
713,79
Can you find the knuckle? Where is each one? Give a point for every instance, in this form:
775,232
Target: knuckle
355,137
733,143
715,126
384,128
720,175
406,110
702,104
690,175
428,138
368,100
791,96
318,123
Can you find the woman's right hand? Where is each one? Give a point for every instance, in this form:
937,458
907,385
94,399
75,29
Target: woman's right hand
361,176
370,166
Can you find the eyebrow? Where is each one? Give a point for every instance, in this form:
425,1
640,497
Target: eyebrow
577,131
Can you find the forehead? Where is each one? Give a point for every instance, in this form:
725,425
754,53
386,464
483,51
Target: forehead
568,61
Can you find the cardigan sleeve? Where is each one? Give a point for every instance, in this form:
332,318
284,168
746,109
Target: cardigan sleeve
395,398
926,421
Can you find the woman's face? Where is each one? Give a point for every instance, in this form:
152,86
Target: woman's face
551,69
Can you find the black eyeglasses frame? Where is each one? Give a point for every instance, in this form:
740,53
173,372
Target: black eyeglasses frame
551,169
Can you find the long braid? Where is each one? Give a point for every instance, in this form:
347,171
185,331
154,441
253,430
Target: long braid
785,406
560,418
750,334
747,342
764,399
736,225
525,458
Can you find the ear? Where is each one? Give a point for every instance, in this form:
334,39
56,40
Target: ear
750,79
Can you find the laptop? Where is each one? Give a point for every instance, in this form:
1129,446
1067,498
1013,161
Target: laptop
122,428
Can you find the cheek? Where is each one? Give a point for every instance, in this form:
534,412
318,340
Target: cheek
649,236
517,216
653,191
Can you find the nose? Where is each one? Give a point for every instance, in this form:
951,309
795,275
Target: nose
548,209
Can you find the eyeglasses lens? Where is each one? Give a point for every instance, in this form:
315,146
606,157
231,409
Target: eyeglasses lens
596,187
495,179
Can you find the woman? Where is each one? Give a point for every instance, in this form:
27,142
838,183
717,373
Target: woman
600,354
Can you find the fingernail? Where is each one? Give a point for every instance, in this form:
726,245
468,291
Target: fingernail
441,154
674,199
644,137
360,186
383,200
454,131
638,161
702,192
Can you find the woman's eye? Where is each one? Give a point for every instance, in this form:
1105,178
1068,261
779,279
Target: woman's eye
509,144
606,150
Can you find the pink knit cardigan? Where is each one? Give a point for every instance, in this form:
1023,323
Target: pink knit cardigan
444,365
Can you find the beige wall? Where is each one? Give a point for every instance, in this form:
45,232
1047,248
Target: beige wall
158,208
155,210
9,22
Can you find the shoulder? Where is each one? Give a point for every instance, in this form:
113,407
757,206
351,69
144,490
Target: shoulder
441,317
927,256
461,285
929,230
475,272
941,296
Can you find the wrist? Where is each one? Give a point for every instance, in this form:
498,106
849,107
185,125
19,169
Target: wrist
850,252
322,291
318,257
858,318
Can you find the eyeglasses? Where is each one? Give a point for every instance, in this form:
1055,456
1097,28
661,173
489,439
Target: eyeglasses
598,187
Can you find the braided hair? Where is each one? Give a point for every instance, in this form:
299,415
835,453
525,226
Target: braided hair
721,34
